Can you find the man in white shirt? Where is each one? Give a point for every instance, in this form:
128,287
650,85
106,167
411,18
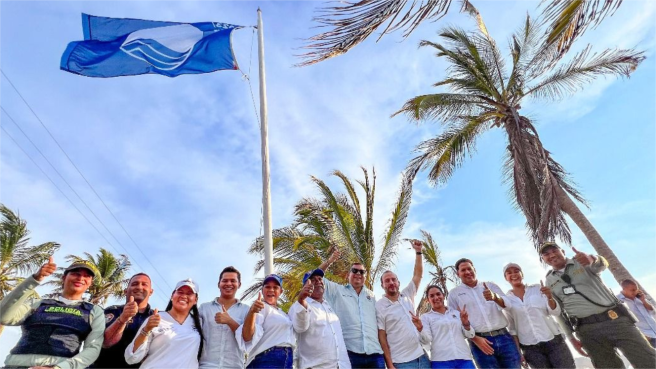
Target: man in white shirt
641,308
220,319
493,346
355,306
398,327
320,344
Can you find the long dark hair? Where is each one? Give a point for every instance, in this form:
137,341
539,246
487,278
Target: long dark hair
196,316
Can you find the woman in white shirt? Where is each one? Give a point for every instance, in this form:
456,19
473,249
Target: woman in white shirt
446,330
267,335
531,323
173,339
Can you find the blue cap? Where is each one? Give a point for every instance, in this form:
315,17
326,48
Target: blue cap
272,277
312,273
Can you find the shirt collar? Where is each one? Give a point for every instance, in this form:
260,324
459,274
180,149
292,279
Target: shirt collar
216,302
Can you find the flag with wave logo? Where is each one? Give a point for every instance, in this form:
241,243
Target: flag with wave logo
114,47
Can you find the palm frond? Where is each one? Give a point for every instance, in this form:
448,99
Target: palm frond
440,107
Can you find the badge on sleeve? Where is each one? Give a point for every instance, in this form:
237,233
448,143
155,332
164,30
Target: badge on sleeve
108,317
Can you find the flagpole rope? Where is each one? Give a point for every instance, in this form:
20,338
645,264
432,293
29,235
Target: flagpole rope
65,196
85,179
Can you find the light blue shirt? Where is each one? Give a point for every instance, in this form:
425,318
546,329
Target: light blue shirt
221,349
646,322
357,316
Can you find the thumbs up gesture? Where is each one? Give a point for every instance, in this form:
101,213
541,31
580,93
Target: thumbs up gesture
416,321
153,322
222,317
306,291
582,258
488,294
130,309
546,290
46,269
258,305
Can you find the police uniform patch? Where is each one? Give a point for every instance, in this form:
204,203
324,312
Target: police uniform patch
108,318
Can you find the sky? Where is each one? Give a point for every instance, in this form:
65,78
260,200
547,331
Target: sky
177,160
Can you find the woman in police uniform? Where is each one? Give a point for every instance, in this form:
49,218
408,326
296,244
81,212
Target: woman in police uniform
53,330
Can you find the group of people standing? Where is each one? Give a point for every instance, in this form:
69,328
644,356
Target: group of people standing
340,326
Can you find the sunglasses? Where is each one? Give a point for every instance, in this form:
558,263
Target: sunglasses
358,271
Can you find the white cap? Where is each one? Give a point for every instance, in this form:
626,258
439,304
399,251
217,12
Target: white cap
187,282
515,265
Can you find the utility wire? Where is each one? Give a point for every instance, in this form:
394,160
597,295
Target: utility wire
85,179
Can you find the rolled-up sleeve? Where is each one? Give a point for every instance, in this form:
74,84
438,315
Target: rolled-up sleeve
137,356
599,265
468,333
244,346
300,317
92,344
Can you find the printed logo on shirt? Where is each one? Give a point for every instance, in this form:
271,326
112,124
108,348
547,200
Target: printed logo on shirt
64,310
108,317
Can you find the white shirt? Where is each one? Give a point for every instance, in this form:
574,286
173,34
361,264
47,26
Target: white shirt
272,328
530,319
394,318
357,315
170,345
646,322
320,341
446,335
221,349
484,316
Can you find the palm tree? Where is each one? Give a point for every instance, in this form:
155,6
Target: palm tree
440,276
17,258
485,94
110,280
350,23
335,220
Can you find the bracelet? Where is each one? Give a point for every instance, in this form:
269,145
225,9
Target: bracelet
420,253
120,321
144,333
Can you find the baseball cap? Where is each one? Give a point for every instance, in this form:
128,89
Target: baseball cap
272,277
80,265
311,274
509,265
187,282
546,245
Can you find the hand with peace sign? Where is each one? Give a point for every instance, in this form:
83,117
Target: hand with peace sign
464,317
416,321
258,304
546,291
582,258
46,269
129,311
222,317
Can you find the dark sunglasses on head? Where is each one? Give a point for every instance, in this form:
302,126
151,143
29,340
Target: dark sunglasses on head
358,271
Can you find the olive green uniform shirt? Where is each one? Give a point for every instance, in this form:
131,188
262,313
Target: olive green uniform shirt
20,303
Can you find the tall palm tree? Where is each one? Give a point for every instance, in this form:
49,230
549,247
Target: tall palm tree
441,275
17,258
486,94
110,280
335,220
350,23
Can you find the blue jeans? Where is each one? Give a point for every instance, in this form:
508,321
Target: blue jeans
421,362
273,358
375,361
505,353
453,364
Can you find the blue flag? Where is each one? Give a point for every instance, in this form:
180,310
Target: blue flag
114,47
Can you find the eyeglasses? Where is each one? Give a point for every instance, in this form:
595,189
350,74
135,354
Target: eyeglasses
358,271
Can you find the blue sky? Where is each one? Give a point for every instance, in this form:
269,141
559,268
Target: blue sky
177,160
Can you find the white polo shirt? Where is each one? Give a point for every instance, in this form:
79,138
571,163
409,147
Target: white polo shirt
272,328
484,316
530,320
320,341
446,335
221,349
394,318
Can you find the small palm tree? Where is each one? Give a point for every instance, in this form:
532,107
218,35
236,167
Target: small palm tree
335,220
110,280
440,275
485,94
353,22
17,258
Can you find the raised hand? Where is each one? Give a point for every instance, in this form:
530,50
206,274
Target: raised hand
258,305
641,296
153,322
306,291
583,258
129,311
416,321
487,293
483,344
578,346
222,317
417,245
546,291
46,269
334,256
464,317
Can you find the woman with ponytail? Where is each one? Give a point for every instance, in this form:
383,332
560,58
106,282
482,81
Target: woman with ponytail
173,339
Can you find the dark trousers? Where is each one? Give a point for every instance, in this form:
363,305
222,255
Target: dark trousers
601,339
550,354
375,361
275,357
652,341
505,353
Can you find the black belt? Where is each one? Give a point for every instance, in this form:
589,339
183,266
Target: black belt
498,332
610,314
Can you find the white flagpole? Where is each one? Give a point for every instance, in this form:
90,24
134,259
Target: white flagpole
266,186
